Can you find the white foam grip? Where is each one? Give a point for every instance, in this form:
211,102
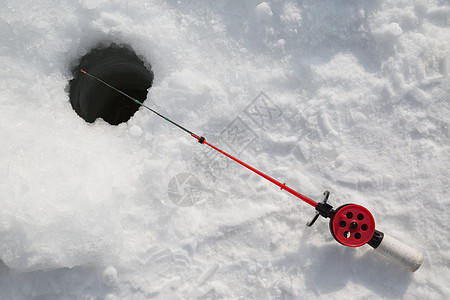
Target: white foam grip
399,252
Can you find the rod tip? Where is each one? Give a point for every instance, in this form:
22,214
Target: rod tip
83,71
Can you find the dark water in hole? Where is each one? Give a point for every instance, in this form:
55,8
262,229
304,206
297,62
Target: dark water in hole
120,67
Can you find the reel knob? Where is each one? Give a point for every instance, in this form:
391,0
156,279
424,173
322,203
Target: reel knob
352,225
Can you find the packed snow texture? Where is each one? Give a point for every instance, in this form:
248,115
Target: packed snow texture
346,95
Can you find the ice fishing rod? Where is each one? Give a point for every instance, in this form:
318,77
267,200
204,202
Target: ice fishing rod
351,225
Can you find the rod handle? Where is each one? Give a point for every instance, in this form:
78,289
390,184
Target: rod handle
397,251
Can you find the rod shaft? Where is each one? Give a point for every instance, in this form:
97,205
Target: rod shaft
282,186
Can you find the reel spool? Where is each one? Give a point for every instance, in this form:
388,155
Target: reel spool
352,225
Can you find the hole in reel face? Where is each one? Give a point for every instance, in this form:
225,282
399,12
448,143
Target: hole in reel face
352,225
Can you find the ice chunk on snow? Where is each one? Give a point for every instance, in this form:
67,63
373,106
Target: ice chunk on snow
324,123
91,4
189,81
263,11
279,44
394,29
388,32
136,130
291,14
440,13
110,276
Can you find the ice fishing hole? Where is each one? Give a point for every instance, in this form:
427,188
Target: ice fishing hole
119,66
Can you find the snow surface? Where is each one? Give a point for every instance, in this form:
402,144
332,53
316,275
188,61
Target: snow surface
346,95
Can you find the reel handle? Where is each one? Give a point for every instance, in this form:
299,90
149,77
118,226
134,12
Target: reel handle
397,251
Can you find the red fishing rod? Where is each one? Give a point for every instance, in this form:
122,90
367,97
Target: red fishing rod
351,225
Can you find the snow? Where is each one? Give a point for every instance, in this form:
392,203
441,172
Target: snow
354,96
263,11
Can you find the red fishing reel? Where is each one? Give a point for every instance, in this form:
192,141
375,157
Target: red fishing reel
351,225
